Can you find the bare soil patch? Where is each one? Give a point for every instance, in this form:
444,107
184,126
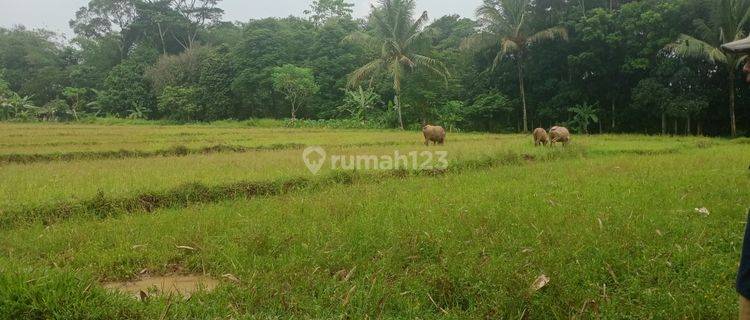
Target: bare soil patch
165,285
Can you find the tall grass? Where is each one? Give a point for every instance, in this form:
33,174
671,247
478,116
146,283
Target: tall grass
610,220
617,235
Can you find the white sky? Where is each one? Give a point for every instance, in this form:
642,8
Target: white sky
55,14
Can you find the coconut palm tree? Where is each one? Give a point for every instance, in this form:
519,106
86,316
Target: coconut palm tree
726,25
396,35
506,28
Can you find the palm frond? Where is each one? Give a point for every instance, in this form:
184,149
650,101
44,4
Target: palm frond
380,22
361,39
415,32
548,34
492,17
703,30
415,38
689,47
436,66
509,46
368,70
729,17
515,13
488,12
419,23
407,62
479,41
744,14
390,48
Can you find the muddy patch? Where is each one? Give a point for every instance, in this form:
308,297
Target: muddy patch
166,285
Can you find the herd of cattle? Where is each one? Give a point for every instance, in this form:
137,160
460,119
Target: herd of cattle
555,135
436,135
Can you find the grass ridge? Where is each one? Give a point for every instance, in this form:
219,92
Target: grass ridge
103,206
176,151
20,158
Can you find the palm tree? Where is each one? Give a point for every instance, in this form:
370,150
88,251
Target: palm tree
506,28
726,25
397,35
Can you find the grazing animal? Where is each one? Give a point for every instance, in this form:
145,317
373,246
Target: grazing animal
559,134
540,137
434,134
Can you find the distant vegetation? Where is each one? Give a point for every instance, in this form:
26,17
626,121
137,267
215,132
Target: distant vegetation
647,66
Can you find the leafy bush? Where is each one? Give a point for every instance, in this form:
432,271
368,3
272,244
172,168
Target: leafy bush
488,110
179,103
358,104
176,70
125,89
451,114
583,115
332,124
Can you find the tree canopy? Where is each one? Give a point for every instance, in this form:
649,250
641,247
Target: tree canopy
646,66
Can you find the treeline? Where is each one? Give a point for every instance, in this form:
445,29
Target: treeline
648,66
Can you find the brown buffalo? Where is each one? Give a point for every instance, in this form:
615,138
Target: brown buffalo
540,137
559,134
434,134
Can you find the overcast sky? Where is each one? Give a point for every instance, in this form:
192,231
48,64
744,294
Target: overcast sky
55,14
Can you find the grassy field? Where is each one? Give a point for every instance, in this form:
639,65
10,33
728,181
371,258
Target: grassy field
610,220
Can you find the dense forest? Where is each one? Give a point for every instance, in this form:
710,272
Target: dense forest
647,66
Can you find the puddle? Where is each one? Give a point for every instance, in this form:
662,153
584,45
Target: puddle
175,285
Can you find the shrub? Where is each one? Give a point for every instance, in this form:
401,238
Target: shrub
179,103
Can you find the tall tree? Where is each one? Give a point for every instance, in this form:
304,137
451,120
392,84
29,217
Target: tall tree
505,27
34,63
726,24
197,14
322,10
398,35
266,44
103,17
215,82
158,22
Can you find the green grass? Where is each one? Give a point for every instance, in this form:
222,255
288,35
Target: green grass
61,138
610,220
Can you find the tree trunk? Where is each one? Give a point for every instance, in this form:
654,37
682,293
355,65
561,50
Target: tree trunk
687,126
675,126
583,8
397,98
161,36
733,123
523,97
613,114
663,123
